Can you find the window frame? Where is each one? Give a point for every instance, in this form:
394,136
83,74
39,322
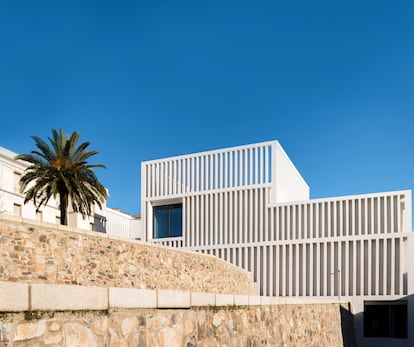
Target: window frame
169,232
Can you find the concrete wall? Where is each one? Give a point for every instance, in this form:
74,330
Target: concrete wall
287,183
43,314
136,229
46,254
121,224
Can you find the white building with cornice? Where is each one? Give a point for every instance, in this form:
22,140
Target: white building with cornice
106,220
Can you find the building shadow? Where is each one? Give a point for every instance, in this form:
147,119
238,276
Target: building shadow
347,326
381,323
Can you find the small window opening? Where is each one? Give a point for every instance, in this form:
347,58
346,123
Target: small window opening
386,319
168,221
17,176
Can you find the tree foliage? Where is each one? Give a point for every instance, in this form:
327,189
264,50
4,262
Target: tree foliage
62,170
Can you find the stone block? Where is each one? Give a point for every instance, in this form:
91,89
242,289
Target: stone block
48,225
254,300
173,299
202,299
14,297
47,297
224,299
77,334
241,300
11,218
64,227
276,300
29,330
132,298
265,300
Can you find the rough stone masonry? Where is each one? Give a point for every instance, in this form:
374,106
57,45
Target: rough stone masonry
279,325
46,254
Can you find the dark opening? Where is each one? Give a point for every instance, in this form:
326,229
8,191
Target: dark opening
99,223
386,319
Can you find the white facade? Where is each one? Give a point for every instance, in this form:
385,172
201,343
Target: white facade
250,206
122,224
11,201
104,219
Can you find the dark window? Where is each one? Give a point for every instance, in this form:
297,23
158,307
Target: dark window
99,223
168,221
386,319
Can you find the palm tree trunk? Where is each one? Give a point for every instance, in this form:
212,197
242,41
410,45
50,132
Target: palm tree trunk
64,201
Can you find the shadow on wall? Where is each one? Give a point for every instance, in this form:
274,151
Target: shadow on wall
347,326
382,323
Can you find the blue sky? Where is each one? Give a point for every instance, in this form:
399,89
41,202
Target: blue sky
333,81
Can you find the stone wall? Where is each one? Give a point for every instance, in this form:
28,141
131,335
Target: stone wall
287,325
64,287
40,253
72,315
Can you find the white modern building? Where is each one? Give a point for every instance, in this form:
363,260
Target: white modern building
105,219
250,206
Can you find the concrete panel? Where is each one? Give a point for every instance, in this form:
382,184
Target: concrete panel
14,297
132,298
11,218
276,300
224,299
202,299
173,299
241,300
65,297
254,300
265,300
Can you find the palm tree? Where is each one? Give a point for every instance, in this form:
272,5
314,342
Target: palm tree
62,170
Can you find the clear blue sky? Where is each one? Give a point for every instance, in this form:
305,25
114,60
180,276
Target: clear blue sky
333,81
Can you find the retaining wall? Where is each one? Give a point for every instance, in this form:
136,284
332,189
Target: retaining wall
64,315
44,253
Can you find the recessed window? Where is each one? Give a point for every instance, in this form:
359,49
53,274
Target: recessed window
99,223
168,221
17,176
17,210
386,319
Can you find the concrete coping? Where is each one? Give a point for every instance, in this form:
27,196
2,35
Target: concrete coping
17,297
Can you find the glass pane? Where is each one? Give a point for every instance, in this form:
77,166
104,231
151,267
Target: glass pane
176,222
160,223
